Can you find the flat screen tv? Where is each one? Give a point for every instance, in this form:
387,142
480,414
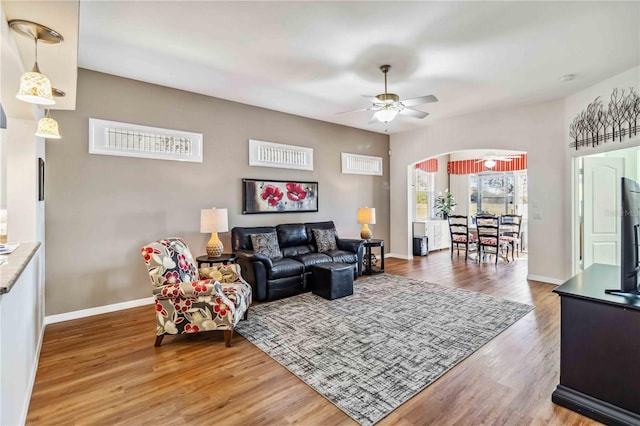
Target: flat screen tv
630,239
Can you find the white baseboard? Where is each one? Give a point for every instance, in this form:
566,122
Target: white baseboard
545,279
52,319
399,256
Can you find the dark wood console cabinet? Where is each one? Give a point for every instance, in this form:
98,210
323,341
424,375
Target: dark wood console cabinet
599,348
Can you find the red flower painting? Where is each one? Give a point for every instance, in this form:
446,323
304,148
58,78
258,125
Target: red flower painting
295,192
272,194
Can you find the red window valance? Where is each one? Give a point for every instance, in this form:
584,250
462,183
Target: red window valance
430,165
466,167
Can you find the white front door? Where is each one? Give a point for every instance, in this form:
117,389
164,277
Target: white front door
602,210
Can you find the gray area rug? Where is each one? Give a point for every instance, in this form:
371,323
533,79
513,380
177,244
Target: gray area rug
370,352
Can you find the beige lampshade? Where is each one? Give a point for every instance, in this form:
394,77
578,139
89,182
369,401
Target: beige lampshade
35,88
214,220
367,215
48,128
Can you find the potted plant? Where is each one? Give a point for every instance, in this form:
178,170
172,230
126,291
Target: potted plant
445,204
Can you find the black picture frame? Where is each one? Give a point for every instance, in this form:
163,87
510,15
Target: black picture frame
261,196
40,179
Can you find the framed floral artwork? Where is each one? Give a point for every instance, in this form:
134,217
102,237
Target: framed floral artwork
278,196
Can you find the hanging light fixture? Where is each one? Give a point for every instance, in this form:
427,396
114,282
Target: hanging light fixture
48,127
489,164
35,87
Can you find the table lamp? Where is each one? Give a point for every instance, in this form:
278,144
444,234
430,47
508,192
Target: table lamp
214,220
366,216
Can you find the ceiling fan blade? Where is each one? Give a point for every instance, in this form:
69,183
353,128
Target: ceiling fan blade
504,159
414,113
355,110
419,101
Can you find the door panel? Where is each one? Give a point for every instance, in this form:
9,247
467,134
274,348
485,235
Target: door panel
601,210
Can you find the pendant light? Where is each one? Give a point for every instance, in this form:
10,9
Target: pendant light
48,127
35,87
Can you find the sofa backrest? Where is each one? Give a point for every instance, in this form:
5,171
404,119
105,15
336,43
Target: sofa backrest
310,226
241,236
293,239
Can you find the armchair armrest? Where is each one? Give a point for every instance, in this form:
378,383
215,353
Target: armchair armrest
253,256
356,246
347,244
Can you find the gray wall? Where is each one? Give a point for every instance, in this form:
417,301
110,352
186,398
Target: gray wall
100,210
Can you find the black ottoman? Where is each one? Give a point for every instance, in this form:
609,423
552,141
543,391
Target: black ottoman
333,280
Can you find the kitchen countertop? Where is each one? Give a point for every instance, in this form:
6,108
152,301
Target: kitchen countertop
18,260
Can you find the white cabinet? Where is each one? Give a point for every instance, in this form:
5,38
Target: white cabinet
437,231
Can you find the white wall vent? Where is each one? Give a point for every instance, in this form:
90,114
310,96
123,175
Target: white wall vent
269,154
361,164
132,140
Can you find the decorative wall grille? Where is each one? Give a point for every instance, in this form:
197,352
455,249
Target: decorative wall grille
132,140
361,164
269,154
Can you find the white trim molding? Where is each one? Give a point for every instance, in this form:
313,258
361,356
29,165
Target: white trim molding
361,164
543,279
132,140
269,154
52,319
398,256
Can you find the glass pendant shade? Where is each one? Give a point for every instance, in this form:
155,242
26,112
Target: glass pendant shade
48,128
35,88
385,115
489,164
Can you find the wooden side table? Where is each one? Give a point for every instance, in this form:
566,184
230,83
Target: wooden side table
369,269
225,258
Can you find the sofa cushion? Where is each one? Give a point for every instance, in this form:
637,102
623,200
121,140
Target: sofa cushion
310,259
292,234
266,244
241,237
285,267
223,274
325,239
296,250
342,256
317,225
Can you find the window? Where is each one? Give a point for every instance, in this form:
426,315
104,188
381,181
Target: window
424,194
498,193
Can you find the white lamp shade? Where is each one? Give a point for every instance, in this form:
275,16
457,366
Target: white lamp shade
35,88
48,128
385,115
489,164
367,215
214,220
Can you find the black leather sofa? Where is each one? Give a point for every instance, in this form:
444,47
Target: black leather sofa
290,274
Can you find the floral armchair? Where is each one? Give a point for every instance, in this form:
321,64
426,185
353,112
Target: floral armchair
191,301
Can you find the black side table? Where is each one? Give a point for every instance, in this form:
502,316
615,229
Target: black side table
369,269
225,258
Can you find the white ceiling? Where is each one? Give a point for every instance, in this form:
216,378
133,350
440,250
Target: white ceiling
317,58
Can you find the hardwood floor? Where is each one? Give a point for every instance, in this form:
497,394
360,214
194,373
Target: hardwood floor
105,369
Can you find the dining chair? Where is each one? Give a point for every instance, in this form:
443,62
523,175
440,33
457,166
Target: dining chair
489,237
510,232
460,235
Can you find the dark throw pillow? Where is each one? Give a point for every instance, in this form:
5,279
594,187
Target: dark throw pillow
325,239
266,244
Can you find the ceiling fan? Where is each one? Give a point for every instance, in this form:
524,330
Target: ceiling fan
491,160
388,105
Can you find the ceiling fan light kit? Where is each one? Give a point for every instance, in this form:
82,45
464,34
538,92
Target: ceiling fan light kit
387,106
